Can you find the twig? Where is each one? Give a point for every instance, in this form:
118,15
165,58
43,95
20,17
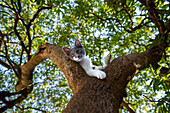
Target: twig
151,100
9,61
31,108
36,14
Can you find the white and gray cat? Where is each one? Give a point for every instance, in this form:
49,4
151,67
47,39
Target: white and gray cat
78,54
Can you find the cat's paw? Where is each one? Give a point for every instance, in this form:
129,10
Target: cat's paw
97,73
100,74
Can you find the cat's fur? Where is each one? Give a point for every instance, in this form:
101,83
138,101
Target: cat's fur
78,54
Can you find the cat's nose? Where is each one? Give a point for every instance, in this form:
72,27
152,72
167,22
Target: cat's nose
79,56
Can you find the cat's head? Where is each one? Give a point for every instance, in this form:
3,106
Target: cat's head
77,53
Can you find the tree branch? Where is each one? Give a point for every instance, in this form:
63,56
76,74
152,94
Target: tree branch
140,25
127,11
150,5
9,61
18,35
128,107
11,103
6,6
26,72
71,69
30,23
6,65
19,5
31,108
36,14
24,84
151,100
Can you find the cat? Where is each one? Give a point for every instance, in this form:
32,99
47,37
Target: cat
78,54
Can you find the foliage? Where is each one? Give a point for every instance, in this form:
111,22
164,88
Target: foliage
120,27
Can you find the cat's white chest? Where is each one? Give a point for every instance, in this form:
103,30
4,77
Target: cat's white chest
86,64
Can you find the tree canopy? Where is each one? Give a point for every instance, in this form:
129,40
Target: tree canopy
119,27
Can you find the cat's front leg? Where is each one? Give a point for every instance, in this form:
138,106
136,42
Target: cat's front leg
87,66
96,73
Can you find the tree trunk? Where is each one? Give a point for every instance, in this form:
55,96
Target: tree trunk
105,96
96,96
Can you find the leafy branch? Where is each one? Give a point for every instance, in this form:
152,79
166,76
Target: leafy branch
152,100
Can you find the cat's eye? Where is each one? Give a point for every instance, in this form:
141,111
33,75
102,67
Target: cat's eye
73,55
79,51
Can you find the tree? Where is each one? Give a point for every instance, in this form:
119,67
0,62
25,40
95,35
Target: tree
136,33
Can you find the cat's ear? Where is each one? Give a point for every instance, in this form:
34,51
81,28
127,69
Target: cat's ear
77,43
66,50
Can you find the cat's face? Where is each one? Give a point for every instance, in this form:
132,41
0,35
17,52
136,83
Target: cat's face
77,53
